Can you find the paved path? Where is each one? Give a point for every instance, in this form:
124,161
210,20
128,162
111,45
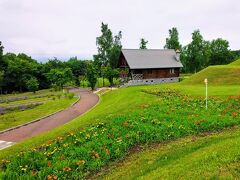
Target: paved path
87,101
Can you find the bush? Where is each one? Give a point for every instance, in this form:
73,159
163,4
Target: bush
70,95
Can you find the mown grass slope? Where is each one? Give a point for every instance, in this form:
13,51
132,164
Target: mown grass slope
217,75
210,157
235,63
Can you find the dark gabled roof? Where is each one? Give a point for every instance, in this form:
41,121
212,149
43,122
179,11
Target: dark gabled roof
151,58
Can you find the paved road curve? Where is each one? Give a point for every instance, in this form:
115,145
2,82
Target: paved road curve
87,101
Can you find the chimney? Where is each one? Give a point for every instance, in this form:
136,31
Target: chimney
178,55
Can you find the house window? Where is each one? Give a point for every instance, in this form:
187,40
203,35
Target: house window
172,71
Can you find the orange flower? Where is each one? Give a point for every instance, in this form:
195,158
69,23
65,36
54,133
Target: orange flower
127,135
34,172
66,169
93,154
51,177
49,163
102,148
80,162
62,157
119,138
97,156
125,123
107,152
234,114
49,142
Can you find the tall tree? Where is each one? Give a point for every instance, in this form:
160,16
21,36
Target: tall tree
220,52
1,80
104,44
115,50
1,50
195,56
172,42
143,44
3,63
109,48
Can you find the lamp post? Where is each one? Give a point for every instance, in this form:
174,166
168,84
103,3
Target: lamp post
206,83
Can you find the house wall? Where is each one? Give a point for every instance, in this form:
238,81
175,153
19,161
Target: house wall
157,73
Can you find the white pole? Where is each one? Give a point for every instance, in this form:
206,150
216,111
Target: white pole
206,96
206,82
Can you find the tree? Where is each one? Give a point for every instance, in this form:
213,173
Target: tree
91,75
1,80
59,77
109,48
1,51
173,41
143,44
110,74
18,71
195,56
78,68
32,84
104,45
115,51
220,52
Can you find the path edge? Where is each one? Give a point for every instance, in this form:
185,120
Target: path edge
39,119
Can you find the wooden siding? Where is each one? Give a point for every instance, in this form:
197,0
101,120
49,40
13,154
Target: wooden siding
157,73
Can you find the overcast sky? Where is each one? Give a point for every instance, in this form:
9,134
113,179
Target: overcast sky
64,28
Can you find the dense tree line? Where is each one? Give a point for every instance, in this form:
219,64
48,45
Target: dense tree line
22,73
200,53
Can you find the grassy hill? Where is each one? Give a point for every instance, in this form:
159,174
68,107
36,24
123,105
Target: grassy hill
217,75
235,63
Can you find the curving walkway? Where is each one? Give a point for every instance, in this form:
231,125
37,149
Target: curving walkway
86,102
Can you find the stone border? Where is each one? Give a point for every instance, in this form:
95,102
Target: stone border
39,119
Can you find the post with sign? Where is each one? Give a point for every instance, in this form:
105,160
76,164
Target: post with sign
206,83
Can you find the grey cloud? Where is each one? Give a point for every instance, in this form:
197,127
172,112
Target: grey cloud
70,27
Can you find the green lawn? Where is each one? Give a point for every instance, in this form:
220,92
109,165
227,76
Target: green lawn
207,156
13,119
44,91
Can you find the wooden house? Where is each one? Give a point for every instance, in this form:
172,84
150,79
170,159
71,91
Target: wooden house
150,66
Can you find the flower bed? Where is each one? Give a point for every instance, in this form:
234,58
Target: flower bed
78,154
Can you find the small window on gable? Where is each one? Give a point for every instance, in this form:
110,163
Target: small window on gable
172,71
